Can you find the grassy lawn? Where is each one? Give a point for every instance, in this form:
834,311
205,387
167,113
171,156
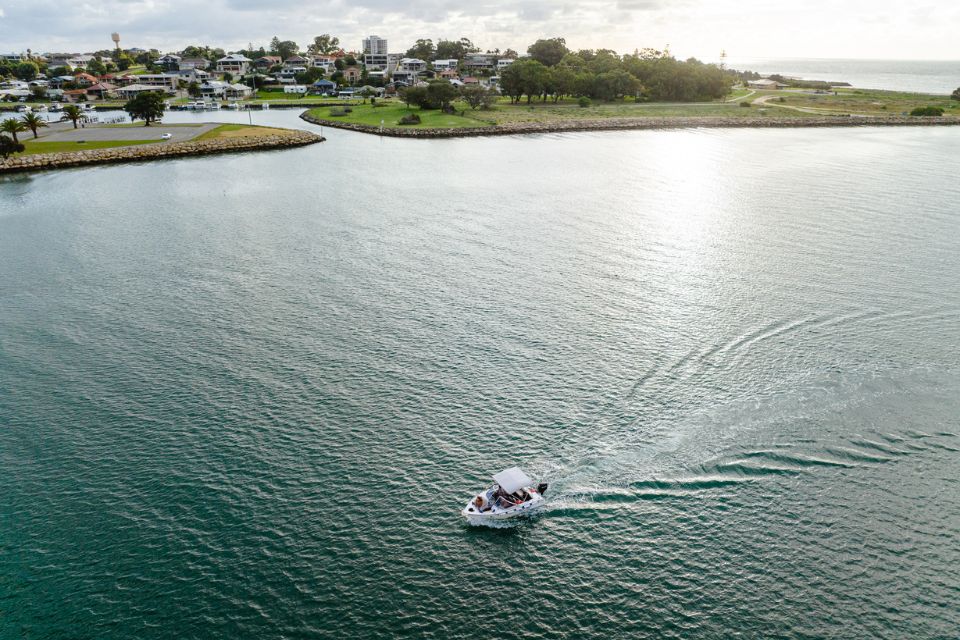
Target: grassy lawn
390,113
864,101
241,131
41,146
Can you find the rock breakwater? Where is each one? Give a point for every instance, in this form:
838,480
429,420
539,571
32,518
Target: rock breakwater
614,124
156,151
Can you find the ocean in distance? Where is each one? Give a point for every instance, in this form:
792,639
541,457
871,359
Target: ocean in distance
246,395
914,76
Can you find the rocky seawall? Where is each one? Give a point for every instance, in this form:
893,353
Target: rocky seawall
156,151
614,124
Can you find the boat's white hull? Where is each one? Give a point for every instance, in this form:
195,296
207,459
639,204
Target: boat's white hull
496,515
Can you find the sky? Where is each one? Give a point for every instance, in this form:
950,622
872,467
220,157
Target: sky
878,29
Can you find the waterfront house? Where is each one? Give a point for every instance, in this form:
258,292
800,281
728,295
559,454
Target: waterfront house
133,90
327,63
296,61
265,63
352,73
479,61
166,81
503,63
193,63
101,90
237,91
288,75
169,62
84,79
445,65
412,64
234,63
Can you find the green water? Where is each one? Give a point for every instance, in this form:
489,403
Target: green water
247,396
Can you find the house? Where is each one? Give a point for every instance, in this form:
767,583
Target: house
234,63
166,81
295,61
412,64
448,74
352,73
296,88
237,91
375,55
766,83
101,90
265,63
324,86
445,65
84,79
503,63
404,78
194,63
169,62
327,63
12,57
479,61
214,89
288,75
193,75
133,90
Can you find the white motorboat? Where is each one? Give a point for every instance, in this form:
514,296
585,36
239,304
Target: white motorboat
513,496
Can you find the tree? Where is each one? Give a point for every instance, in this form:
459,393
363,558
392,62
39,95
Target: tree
13,127
478,96
524,77
324,44
309,76
413,96
450,49
365,93
147,106
26,71
33,122
193,89
956,94
548,52
38,92
423,50
286,48
8,147
563,80
441,93
124,62
96,67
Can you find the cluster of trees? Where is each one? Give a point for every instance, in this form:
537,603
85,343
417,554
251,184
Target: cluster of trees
147,106
26,71
440,94
10,144
553,70
956,94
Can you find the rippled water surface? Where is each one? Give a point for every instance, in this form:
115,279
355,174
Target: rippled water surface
246,396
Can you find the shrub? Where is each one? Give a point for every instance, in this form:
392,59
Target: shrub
956,94
927,111
745,104
410,118
781,99
336,112
8,147
584,102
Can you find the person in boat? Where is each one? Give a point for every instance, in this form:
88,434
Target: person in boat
480,504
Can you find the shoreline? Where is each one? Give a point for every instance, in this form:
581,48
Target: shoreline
158,151
627,124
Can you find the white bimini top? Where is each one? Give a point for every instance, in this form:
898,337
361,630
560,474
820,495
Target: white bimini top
512,479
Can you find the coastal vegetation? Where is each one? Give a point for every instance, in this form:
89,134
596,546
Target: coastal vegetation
146,106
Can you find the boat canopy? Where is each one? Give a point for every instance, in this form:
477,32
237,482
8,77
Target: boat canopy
512,479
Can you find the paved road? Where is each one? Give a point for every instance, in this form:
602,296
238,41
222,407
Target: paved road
93,132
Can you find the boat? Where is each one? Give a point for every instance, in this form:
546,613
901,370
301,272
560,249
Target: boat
512,496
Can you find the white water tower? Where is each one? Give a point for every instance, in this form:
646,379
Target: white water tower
116,39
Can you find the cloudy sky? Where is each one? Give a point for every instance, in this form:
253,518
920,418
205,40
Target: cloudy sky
920,30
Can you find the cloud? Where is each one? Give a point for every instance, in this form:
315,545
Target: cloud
816,28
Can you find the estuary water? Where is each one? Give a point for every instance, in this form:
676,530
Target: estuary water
246,396
914,76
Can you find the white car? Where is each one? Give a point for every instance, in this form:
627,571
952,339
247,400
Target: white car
166,136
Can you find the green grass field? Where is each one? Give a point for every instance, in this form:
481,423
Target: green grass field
391,113
41,146
864,101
